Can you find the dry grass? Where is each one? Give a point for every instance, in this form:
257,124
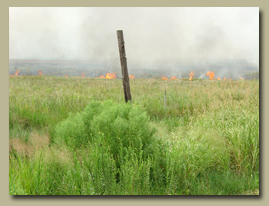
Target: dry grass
21,147
36,142
38,145
255,192
60,155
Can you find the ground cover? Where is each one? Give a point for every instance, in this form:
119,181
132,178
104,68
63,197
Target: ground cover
204,142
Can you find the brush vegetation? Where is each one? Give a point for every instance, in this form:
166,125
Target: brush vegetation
76,136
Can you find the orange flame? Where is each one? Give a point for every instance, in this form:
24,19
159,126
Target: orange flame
10,75
191,75
83,75
111,76
173,77
241,78
224,78
17,72
218,78
131,76
40,73
164,78
66,76
210,74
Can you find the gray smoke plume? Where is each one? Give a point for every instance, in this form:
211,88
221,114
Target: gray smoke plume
162,38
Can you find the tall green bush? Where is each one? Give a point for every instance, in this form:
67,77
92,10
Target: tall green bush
71,131
122,125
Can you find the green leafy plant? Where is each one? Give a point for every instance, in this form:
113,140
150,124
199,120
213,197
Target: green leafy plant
122,125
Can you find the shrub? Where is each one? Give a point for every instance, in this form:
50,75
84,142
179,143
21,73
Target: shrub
121,125
71,131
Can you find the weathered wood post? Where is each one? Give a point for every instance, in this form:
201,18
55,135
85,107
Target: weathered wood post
124,70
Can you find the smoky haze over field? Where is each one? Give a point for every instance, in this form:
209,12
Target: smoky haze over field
153,36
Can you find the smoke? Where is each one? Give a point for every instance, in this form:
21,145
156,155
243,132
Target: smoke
160,36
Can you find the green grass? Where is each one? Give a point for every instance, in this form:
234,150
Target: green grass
206,141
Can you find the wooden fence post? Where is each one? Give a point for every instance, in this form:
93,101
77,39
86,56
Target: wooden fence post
124,70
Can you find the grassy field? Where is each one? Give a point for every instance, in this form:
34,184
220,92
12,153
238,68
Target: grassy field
76,136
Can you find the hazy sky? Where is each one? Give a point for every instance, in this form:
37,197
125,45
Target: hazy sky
153,34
